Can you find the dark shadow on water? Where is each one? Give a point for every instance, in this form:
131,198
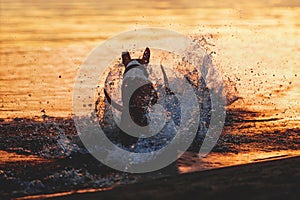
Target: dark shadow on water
59,161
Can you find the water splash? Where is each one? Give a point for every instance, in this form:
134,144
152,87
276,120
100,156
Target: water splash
178,68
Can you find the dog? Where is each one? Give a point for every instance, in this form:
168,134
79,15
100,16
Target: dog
146,96
142,98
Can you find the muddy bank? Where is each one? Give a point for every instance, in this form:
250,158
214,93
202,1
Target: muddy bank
279,179
44,156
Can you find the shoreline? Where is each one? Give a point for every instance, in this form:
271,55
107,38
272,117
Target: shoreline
32,143
276,179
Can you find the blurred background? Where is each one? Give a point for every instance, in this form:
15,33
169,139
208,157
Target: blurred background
256,45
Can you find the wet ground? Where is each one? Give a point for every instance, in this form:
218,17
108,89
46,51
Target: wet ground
41,156
278,179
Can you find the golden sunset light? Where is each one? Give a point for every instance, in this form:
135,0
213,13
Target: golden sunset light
51,51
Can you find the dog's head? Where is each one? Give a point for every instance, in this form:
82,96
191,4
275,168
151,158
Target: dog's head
132,63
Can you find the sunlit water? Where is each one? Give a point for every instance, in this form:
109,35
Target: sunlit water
255,45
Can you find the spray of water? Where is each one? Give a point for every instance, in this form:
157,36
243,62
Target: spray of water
176,67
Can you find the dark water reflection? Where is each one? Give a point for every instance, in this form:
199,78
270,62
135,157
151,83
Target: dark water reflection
51,149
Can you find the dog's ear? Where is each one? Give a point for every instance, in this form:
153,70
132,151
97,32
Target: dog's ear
146,56
125,58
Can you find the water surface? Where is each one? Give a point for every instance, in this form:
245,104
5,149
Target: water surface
254,44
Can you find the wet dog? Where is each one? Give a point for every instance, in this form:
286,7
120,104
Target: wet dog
136,103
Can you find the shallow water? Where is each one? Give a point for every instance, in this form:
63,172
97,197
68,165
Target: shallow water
255,46
51,149
44,43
